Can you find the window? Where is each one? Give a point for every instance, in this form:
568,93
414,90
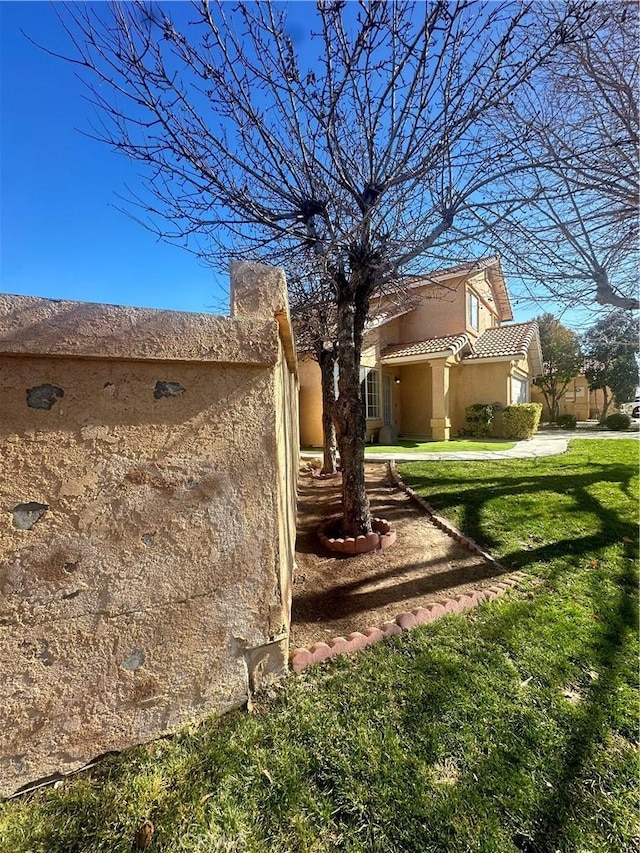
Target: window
473,311
519,390
370,387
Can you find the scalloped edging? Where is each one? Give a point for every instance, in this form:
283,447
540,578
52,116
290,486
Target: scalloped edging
301,658
440,522
383,536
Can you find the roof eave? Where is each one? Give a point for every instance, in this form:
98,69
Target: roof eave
416,359
499,286
487,358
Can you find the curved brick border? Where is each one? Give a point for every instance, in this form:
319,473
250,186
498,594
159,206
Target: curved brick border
440,522
300,659
381,537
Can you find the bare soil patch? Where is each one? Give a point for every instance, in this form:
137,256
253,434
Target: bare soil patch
334,595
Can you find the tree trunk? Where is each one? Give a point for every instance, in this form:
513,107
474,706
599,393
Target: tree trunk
350,419
327,359
606,402
550,401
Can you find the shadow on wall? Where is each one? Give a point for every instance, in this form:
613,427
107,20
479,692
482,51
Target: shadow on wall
143,552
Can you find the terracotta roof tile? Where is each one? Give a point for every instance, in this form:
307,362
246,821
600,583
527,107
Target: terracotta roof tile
514,339
433,345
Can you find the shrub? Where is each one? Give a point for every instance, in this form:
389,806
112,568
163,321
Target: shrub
567,421
618,421
479,420
521,420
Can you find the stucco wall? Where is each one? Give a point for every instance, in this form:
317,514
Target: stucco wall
578,401
443,310
310,403
148,518
415,396
484,382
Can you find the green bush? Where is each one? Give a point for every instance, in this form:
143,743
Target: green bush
521,420
567,421
618,421
479,420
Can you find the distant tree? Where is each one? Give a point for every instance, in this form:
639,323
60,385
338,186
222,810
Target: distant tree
351,161
610,349
561,361
575,132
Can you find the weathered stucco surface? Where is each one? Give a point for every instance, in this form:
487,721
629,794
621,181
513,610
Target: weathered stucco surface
147,519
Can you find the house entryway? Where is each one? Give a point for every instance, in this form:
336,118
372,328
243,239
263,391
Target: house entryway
388,435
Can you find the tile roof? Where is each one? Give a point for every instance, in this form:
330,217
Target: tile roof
433,345
504,341
515,340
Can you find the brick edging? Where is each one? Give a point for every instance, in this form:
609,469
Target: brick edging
440,522
301,658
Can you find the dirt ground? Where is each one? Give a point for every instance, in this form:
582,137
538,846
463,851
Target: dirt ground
334,595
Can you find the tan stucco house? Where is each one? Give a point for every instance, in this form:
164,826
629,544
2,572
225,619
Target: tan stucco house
579,400
444,346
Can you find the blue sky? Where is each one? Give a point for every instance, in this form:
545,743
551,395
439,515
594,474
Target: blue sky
61,234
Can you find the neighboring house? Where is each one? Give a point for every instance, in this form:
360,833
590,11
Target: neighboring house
423,365
578,400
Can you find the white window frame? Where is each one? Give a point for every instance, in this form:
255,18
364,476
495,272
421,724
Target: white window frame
520,384
473,311
370,385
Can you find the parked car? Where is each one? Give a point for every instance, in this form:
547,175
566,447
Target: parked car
632,409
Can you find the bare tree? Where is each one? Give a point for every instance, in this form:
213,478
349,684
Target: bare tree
352,162
314,321
575,131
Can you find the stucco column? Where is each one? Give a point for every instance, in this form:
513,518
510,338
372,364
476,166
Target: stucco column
440,421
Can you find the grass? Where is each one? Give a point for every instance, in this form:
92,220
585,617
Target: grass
456,445
511,729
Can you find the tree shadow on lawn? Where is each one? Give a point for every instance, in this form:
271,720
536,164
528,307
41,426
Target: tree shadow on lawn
534,792
475,496
555,812
552,821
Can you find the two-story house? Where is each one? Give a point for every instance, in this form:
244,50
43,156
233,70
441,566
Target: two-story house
427,357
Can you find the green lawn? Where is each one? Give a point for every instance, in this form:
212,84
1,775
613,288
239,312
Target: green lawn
512,728
454,446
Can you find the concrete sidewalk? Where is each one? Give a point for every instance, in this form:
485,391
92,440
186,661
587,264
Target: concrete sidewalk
544,443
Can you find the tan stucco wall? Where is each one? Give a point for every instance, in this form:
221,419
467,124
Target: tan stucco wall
415,396
155,587
478,383
396,395
310,403
443,310
578,401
